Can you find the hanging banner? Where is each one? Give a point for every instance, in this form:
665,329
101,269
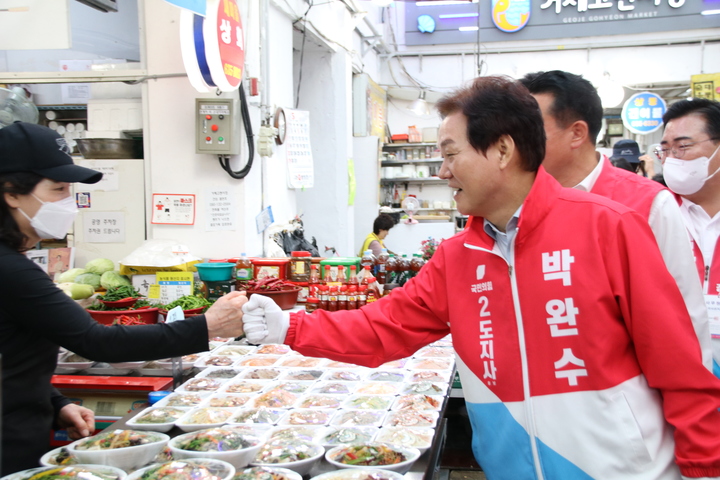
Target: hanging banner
643,112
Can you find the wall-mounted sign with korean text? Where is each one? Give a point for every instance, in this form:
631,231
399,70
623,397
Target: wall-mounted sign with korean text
173,209
643,112
103,227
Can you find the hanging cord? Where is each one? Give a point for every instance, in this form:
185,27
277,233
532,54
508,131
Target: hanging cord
225,161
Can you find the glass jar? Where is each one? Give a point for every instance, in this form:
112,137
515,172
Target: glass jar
300,263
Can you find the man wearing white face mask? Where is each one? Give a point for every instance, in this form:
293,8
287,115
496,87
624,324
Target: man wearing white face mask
36,317
690,152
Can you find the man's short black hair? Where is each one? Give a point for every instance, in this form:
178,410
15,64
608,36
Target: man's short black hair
383,222
575,98
497,106
708,109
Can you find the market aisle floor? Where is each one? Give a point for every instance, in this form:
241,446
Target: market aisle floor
457,461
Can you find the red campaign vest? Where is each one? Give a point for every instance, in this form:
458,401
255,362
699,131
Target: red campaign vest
710,278
627,188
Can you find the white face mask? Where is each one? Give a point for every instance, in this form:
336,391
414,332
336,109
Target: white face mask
53,219
686,177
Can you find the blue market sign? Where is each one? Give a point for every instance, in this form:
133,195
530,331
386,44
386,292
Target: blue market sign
510,15
643,112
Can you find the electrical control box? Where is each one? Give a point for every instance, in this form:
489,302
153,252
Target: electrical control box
217,126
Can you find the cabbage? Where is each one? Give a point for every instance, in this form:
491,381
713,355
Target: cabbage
70,275
89,279
112,279
77,291
100,266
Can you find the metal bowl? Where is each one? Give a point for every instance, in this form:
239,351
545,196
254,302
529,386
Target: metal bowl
106,148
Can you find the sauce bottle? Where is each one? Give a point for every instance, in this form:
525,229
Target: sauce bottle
381,266
314,281
343,298
312,304
243,269
362,296
365,274
324,297
327,278
352,297
333,299
373,290
353,279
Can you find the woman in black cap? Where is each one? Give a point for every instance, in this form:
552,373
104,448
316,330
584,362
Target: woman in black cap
36,170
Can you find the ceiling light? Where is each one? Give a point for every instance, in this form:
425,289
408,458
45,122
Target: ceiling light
468,29
419,106
459,15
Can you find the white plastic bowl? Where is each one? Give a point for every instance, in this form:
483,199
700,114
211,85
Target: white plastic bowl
72,472
48,460
136,422
126,458
277,473
237,458
222,416
359,474
303,466
411,454
420,438
220,470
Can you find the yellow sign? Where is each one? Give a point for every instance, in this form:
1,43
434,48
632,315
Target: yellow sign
706,86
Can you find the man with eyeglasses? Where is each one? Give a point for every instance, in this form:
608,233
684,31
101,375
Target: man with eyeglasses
689,153
572,113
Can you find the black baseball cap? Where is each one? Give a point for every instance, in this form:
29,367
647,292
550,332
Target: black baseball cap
628,149
27,147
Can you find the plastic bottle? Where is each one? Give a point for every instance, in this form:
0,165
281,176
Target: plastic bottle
391,269
343,298
243,269
367,259
362,296
333,299
314,281
324,296
312,304
327,277
403,270
352,297
353,279
381,266
365,274
373,289
416,264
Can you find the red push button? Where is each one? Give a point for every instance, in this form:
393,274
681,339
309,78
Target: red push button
214,128
208,117
208,139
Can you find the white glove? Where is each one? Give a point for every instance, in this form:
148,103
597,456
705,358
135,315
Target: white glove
264,321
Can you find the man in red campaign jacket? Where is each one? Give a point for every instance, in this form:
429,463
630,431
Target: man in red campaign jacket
572,115
690,152
575,350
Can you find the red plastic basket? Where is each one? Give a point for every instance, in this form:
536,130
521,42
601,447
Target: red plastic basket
106,317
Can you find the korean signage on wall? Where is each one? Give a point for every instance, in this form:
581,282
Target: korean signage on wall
508,20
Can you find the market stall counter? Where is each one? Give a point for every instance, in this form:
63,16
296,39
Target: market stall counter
284,396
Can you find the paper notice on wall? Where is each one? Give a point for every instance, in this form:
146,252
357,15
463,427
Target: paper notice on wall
75,92
103,227
173,209
298,149
219,209
110,181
